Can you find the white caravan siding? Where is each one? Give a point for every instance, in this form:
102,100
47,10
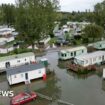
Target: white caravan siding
90,59
72,52
17,61
104,73
18,78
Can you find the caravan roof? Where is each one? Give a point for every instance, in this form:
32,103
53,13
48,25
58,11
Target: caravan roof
11,57
24,68
73,49
90,55
100,42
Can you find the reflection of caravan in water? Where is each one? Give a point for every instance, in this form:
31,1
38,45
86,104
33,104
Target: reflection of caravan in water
16,60
72,52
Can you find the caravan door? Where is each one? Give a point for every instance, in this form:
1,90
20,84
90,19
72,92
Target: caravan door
26,76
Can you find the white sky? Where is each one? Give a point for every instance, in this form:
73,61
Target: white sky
70,5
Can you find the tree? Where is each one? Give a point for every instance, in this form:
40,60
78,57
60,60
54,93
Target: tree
93,31
99,11
35,19
8,14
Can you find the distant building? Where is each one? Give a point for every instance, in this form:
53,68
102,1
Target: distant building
7,47
6,31
25,73
16,60
7,39
4,49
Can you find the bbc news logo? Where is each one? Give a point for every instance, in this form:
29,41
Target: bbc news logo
6,93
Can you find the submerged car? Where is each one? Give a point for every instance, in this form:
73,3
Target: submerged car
23,98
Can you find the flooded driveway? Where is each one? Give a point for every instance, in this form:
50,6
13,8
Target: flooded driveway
65,85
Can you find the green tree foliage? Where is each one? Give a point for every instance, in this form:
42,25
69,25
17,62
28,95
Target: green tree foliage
77,16
8,14
99,11
35,19
93,31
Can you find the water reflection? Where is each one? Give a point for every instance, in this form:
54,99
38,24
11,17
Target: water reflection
4,87
63,64
2,77
80,76
103,84
51,89
99,73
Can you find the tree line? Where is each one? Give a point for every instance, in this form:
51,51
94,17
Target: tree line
96,17
33,19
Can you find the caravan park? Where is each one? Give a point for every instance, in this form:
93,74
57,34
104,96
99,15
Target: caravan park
52,52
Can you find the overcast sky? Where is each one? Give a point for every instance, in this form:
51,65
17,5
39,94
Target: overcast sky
70,5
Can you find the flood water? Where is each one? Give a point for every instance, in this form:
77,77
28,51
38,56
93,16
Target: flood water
65,85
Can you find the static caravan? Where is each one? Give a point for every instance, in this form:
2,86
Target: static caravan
16,60
72,52
97,57
5,50
103,73
99,45
25,73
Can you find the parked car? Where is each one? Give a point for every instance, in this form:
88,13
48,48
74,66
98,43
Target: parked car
62,41
23,98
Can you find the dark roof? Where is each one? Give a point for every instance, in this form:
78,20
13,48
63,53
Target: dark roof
24,68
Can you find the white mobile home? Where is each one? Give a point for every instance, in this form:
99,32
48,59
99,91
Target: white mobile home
72,52
25,73
16,60
4,50
104,73
99,45
90,59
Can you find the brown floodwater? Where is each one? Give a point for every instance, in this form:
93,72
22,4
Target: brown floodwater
64,85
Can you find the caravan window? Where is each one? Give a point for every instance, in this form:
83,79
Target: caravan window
99,57
86,61
15,76
82,51
74,53
71,54
22,75
94,59
39,71
18,60
63,55
82,62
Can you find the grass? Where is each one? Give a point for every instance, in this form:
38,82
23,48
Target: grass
23,50
10,44
78,42
53,40
16,51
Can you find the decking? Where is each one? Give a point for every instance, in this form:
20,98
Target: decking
81,69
